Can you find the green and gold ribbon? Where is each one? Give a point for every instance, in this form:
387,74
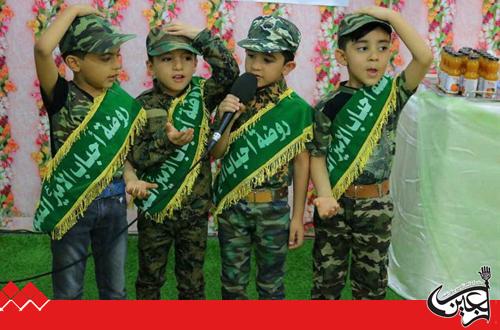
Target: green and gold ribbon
260,147
175,181
86,162
356,130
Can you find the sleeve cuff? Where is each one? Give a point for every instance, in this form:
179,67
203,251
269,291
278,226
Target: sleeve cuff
201,39
317,153
401,84
161,139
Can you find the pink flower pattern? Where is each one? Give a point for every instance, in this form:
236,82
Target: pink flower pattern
220,21
327,69
276,9
489,38
440,18
44,12
7,144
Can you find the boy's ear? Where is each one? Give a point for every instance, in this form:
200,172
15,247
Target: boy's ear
149,66
288,67
340,56
73,62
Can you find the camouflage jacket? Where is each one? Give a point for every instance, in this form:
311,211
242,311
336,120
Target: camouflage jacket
152,147
264,96
378,167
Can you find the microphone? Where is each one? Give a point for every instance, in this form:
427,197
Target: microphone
244,88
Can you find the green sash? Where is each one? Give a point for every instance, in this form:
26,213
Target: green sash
186,111
260,147
86,162
356,131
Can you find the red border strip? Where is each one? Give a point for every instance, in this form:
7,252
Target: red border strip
238,315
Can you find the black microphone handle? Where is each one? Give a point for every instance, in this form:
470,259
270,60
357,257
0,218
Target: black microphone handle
226,119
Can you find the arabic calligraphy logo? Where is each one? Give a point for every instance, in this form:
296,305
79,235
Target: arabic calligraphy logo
473,302
11,295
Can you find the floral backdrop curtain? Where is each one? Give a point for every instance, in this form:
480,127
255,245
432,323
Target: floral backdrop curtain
24,147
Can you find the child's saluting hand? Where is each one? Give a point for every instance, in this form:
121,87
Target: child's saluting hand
377,12
181,29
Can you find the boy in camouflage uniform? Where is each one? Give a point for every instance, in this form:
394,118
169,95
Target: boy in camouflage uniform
172,60
259,215
91,49
362,226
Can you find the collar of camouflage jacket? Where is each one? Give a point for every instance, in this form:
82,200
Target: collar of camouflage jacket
346,89
159,88
268,94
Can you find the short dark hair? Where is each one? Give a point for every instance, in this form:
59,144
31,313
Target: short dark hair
288,55
78,53
150,57
361,32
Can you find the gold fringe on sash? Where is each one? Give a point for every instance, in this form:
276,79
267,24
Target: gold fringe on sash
99,184
255,118
357,166
266,171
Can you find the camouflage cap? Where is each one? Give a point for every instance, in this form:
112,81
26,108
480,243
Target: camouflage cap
92,34
269,34
160,42
352,22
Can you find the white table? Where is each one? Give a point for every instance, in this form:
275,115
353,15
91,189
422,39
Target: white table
446,189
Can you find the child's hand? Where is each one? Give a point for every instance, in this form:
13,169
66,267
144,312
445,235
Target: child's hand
139,188
327,207
231,104
296,237
181,29
377,12
177,137
84,10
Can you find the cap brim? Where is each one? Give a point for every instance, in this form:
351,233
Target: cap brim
384,23
360,25
111,42
259,45
162,49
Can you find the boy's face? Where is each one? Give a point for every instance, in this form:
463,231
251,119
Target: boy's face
366,58
174,70
267,67
94,73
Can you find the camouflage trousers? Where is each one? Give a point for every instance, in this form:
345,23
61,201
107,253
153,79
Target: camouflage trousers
363,229
260,226
187,231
